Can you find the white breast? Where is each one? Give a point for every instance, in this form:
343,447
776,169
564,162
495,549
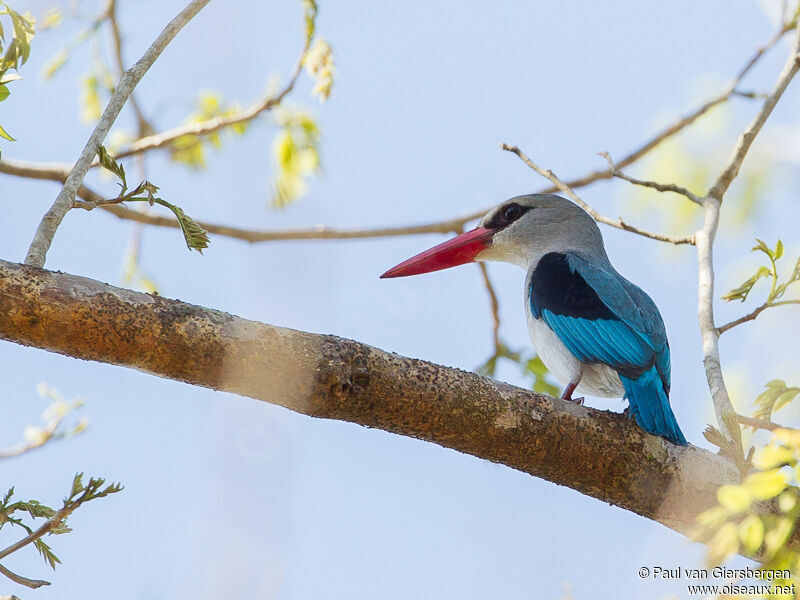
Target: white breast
596,379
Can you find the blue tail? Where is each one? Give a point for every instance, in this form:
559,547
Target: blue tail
649,406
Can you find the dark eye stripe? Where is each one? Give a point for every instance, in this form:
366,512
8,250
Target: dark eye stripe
507,215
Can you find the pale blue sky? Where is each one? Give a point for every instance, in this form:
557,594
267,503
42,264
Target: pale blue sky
229,497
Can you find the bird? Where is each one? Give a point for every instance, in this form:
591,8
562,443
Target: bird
595,331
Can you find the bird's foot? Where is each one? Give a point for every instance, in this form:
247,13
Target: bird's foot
567,395
569,398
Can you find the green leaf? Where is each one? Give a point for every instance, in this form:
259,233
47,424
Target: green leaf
54,65
765,485
47,553
775,395
773,456
188,149
760,245
723,544
751,533
90,100
776,537
77,485
4,134
787,501
778,250
741,292
4,93
195,236
784,399
36,509
713,518
537,368
107,162
734,498
310,10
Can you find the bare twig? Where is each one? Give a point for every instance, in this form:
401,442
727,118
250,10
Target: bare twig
753,314
63,203
494,305
59,171
31,583
165,138
731,169
46,528
45,435
705,240
661,187
618,223
759,423
144,126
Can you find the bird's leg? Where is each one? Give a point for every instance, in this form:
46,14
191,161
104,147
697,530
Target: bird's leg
567,395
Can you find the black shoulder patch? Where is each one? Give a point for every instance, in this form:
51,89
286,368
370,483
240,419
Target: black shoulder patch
554,286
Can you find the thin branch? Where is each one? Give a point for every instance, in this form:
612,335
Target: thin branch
786,27
166,138
46,528
731,169
144,126
31,583
59,172
63,203
661,187
321,232
494,305
752,315
705,241
618,223
44,435
760,423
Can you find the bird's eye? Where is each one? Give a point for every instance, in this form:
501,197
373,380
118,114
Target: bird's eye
512,212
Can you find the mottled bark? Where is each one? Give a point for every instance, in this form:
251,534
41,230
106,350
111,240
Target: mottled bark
600,454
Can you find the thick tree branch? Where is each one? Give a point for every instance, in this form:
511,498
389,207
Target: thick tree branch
63,203
726,416
618,223
601,454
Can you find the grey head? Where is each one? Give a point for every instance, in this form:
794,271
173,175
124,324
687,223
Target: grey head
528,227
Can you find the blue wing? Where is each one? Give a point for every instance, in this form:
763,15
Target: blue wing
603,318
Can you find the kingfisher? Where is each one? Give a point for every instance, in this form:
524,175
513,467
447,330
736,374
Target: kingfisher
595,331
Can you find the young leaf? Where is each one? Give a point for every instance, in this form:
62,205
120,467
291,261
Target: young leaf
751,533
50,558
741,292
77,485
108,163
4,134
9,77
760,245
195,236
